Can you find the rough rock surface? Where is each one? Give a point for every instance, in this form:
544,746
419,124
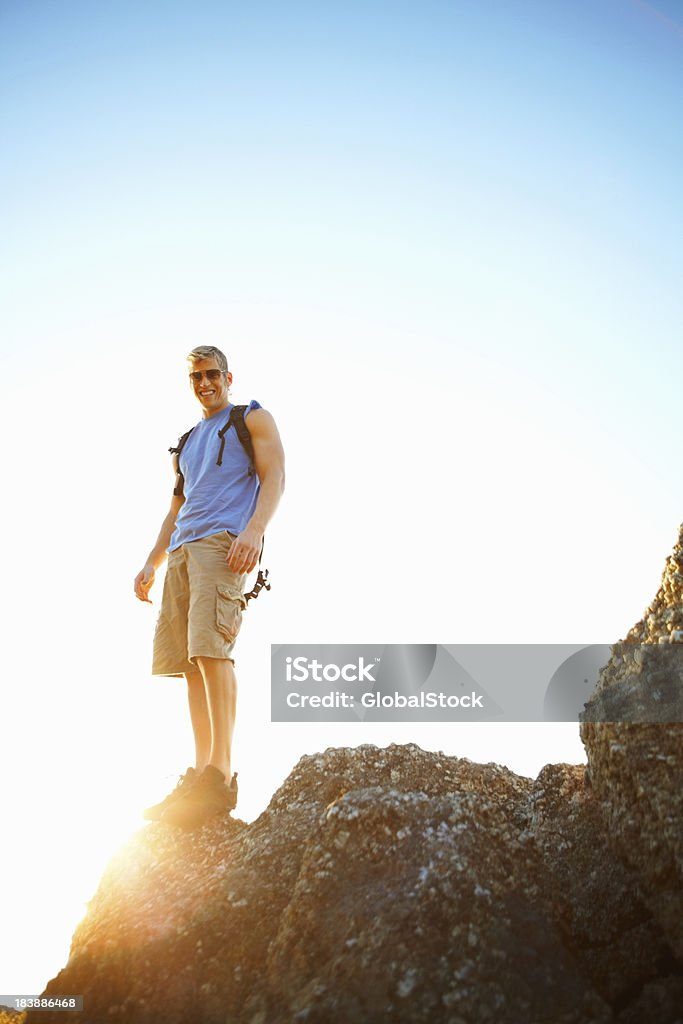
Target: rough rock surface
379,885
665,613
400,885
637,769
11,1016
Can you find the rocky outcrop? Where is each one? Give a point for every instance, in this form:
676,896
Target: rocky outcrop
664,616
637,766
379,885
400,885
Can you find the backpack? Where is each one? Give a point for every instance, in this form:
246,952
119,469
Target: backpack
235,420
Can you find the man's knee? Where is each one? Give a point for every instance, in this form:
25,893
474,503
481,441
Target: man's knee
215,667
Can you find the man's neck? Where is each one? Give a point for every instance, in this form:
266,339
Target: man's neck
208,413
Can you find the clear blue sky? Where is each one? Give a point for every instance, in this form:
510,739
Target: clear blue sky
422,157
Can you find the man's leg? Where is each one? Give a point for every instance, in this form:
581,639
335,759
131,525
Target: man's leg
199,715
220,686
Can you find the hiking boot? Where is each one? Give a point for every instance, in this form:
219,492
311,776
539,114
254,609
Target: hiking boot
209,797
185,783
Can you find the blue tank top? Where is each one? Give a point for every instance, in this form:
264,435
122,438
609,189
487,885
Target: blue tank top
217,498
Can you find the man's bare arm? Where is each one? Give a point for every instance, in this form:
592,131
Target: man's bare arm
145,578
269,458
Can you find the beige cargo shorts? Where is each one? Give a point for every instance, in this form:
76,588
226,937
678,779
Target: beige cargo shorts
201,606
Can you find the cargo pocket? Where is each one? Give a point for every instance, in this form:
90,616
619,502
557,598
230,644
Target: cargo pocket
230,603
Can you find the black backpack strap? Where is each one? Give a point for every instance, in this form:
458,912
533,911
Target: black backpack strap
175,452
236,420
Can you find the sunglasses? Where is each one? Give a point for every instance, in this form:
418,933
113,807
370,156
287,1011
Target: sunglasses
211,375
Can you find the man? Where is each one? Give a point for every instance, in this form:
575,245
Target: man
213,534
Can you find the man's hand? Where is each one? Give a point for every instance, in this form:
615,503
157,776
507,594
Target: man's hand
245,550
143,583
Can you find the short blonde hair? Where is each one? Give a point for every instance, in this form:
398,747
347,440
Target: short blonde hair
209,352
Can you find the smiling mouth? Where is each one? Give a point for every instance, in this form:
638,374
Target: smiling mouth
206,394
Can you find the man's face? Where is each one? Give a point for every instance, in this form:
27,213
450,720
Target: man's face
212,387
